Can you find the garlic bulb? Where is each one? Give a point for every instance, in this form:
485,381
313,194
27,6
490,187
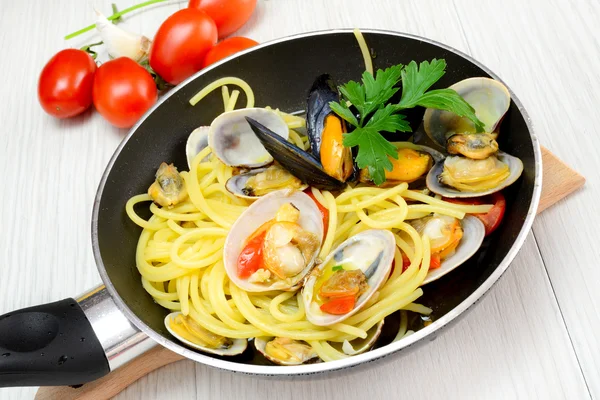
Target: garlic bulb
121,43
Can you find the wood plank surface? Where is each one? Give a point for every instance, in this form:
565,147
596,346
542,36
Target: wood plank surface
513,345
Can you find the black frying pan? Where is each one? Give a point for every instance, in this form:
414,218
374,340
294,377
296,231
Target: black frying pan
71,343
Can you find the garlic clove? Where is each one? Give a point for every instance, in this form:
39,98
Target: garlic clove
121,43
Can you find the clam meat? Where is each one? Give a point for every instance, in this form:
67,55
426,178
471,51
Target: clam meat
168,189
274,243
348,277
191,333
285,351
261,181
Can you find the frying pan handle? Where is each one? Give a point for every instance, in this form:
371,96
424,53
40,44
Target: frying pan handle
67,342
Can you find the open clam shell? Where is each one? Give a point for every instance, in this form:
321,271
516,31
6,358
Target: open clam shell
262,211
234,142
237,184
515,166
197,141
371,251
473,234
304,354
489,98
238,346
359,346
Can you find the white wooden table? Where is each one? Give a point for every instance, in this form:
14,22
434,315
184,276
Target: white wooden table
534,336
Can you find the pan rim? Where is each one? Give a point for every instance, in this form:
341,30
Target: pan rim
429,331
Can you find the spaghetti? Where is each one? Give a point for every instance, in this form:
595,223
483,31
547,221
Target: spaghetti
180,258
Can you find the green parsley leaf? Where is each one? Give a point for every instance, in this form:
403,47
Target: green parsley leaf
373,151
337,268
385,120
416,81
450,100
342,110
380,89
355,93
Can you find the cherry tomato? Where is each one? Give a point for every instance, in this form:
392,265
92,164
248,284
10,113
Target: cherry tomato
229,15
251,258
65,84
123,91
339,305
228,47
324,211
492,218
181,44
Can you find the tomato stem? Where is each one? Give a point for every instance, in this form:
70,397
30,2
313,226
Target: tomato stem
113,17
88,49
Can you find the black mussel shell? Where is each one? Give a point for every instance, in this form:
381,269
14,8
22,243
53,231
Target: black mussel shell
317,109
298,162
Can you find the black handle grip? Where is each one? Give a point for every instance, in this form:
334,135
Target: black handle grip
49,345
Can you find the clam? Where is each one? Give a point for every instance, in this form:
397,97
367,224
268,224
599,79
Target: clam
197,141
189,332
359,346
443,234
285,351
354,271
261,181
414,162
488,97
287,227
234,143
464,177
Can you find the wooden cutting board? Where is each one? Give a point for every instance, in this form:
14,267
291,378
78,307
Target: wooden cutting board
559,180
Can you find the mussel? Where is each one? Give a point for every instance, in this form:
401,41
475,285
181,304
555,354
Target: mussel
261,181
353,272
414,162
325,130
286,228
234,143
329,163
191,333
285,351
300,163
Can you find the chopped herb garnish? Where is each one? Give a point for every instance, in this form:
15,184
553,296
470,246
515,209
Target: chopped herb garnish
376,115
337,268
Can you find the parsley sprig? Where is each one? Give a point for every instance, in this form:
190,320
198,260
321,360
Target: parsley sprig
376,115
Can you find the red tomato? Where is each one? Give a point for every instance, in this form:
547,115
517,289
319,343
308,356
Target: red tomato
65,84
228,47
229,15
435,261
251,258
181,44
324,211
339,305
123,91
492,218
